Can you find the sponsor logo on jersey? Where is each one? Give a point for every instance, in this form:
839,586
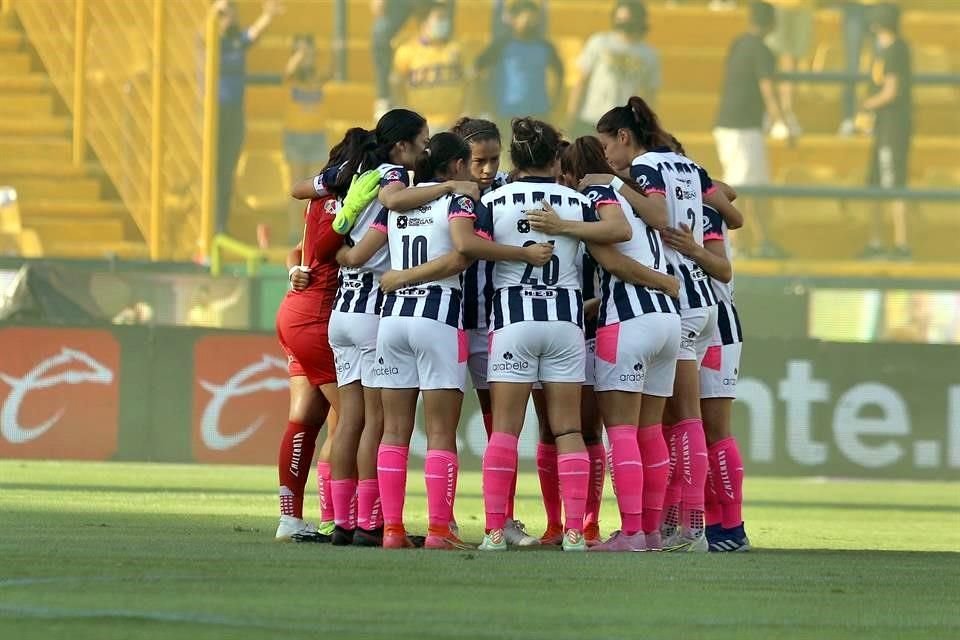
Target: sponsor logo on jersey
465,204
684,191
385,370
343,366
638,375
58,394
523,225
508,362
539,293
401,222
330,206
392,175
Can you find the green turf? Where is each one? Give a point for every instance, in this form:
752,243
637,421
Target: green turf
163,551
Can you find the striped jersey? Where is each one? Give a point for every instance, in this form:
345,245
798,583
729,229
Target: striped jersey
416,237
478,282
591,289
683,183
524,292
359,290
619,300
728,320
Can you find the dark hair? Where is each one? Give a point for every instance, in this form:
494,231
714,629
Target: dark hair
444,148
534,144
676,145
476,130
585,155
886,16
638,118
763,15
362,149
636,24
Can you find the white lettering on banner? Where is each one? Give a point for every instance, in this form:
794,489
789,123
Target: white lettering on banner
953,427
799,390
759,401
849,426
232,388
10,428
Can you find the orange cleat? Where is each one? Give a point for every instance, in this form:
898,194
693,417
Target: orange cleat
591,533
444,540
395,537
553,535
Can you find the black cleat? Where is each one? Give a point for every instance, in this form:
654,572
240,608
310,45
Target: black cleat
418,541
310,536
342,537
368,537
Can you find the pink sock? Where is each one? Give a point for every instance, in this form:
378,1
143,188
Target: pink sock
488,424
712,511
392,477
727,467
671,496
499,471
342,493
692,467
323,490
512,496
440,472
574,472
628,474
549,482
369,515
598,461
656,472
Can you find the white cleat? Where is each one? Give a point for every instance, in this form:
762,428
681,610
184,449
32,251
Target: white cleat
689,544
516,535
290,527
493,541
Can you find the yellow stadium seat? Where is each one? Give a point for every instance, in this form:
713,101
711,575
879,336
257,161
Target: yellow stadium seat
262,182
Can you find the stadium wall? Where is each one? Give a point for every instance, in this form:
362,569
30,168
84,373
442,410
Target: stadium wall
188,395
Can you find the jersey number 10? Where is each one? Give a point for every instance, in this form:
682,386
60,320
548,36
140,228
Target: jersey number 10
414,251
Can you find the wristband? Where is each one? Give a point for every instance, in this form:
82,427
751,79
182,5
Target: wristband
616,183
294,269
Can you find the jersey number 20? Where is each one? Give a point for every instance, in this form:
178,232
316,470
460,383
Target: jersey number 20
550,271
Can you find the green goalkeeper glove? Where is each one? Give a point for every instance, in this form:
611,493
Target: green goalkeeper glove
363,189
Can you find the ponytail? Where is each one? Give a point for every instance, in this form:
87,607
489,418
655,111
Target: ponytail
534,144
444,148
639,119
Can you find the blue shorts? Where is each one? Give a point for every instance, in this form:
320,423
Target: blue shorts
305,148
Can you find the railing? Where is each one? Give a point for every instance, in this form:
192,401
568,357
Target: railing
129,71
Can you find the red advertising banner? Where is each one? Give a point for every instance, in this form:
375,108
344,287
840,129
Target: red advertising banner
59,395
240,399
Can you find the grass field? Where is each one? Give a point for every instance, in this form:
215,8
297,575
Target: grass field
162,551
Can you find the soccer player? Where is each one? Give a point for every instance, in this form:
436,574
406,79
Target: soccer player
483,138
637,343
718,385
632,137
537,332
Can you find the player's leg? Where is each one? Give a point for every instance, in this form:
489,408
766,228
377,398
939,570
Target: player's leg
324,471
547,473
369,531
592,427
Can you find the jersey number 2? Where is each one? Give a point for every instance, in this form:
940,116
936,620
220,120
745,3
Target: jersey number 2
414,251
550,271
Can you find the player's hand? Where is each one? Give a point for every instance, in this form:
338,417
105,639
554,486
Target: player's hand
670,286
545,220
591,308
538,254
680,239
363,189
464,187
392,280
300,278
595,180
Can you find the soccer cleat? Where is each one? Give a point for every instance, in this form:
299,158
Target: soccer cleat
668,537
619,541
454,528
654,542
553,536
368,537
297,529
722,540
591,533
688,544
516,534
363,189
395,537
493,541
445,540
573,541
326,527
418,541
342,537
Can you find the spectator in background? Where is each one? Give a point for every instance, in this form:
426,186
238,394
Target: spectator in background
234,42
428,71
304,137
518,64
614,65
892,105
389,16
854,33
501,18
791,41
748,93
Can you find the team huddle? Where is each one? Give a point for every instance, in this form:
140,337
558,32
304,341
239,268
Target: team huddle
596,277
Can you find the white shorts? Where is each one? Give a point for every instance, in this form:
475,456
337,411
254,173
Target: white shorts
479,345
534,351
639,355
720,370
590,367
353,339
419,353
697,327
743,156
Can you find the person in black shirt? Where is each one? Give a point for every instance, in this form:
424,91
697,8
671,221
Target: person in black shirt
892,105
749,93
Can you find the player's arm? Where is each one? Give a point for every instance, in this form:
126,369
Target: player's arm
396,196
372,241
299,276
271,8
629,270
315,187
475,244
611,227
711,257
716,197
649,205
726,189
449,264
